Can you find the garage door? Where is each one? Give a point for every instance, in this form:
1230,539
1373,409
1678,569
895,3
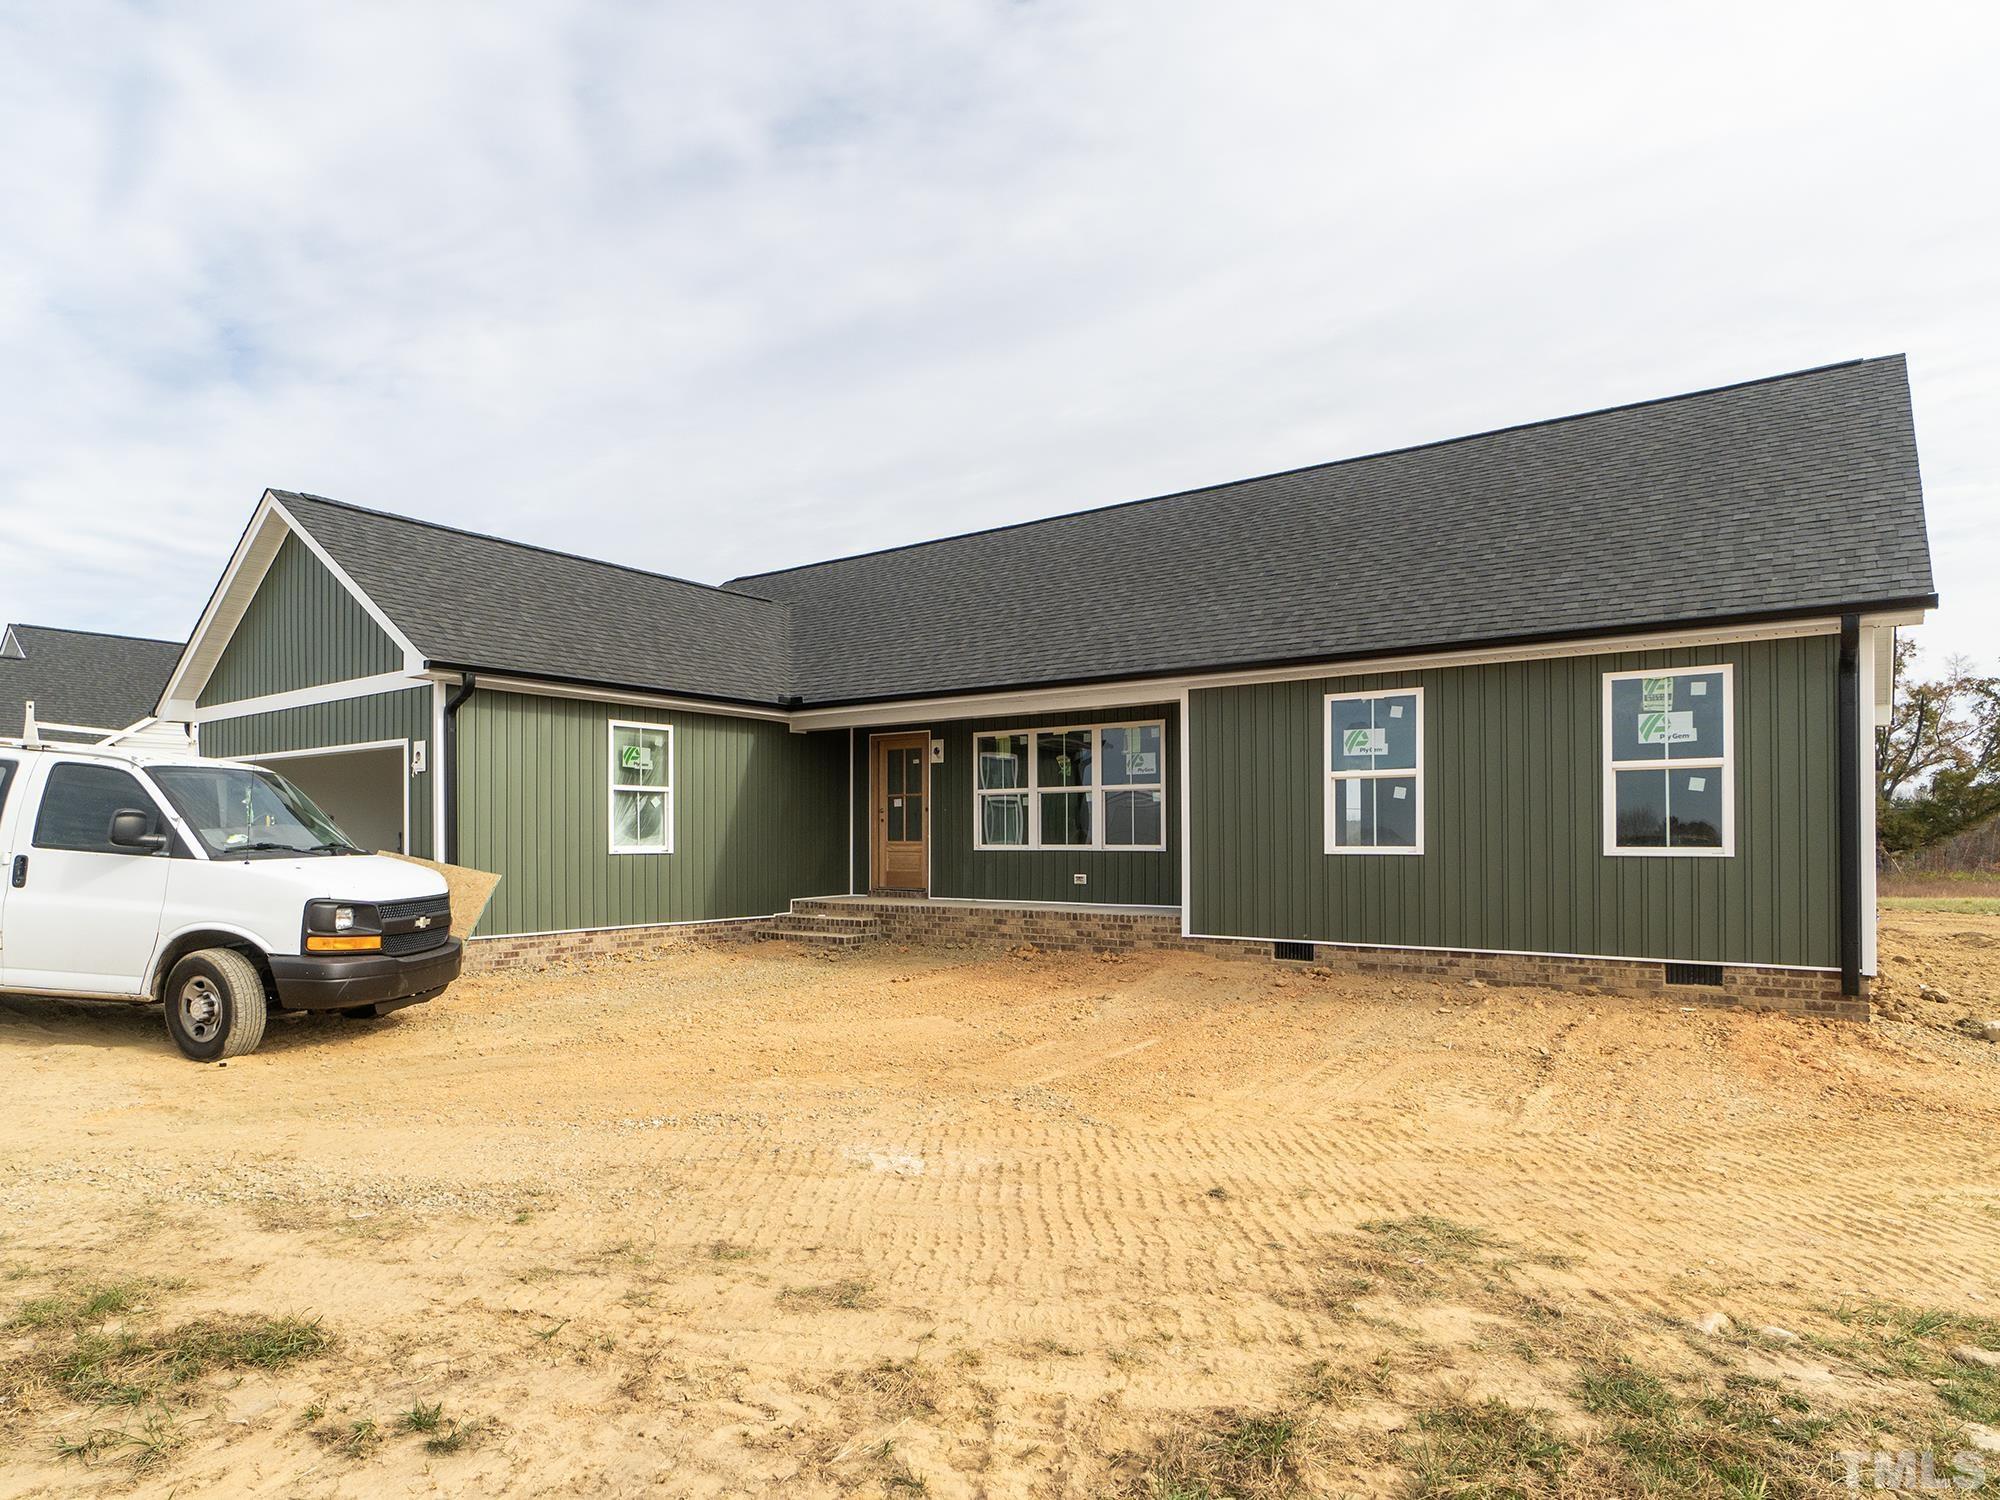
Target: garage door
361,788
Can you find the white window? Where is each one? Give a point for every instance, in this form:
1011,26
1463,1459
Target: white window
642,788
1375,772
1669,773
1096,786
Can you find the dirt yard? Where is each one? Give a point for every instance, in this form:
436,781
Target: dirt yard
739,1221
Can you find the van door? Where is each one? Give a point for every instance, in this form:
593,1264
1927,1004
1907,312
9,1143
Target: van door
82,914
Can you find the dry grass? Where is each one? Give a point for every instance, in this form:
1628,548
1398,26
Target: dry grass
92,1348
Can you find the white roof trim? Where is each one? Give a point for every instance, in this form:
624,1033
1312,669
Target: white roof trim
269,525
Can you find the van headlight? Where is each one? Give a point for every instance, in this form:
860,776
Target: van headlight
342,927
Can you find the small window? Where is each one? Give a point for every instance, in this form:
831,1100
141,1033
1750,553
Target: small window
77,804
1669,782
1089,787
6,780
1375,772
642,788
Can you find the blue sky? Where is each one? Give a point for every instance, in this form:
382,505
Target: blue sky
715,289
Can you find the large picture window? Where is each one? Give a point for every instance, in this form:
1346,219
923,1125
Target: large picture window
1375,772
1669,775
642,788
1098,786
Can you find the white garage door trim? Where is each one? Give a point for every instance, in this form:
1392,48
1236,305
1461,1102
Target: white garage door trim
356,749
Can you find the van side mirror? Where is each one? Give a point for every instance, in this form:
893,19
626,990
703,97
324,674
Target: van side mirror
134,830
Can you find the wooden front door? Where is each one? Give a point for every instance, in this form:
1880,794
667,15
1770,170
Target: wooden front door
902,782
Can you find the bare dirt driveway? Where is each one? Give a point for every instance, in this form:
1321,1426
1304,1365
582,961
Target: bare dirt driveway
735,1221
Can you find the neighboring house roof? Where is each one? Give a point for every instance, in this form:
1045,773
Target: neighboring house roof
1793,495
1786,495
469,600
80,677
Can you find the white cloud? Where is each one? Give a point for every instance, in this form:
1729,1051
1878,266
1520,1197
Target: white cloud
719,288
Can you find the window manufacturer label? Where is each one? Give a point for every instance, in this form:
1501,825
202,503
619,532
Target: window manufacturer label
1365,742
1666,728
1656,694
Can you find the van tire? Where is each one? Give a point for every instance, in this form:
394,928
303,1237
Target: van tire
215,1005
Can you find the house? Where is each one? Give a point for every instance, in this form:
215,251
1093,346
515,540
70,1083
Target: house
85,687
1589,700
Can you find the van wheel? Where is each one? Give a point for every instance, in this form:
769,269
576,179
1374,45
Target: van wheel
215,1005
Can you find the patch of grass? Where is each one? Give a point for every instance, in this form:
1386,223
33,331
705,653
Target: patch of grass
1419,1257
1976,906
851,1293
454,1436
904,1385
81,1363
724,1251
354,1439
422,1418
1485,1450
156,1438
1233,1456
73,1309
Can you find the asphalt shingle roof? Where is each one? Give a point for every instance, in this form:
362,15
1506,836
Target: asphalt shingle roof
79,677
470,600
1794,494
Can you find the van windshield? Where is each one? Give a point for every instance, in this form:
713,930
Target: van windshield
247,814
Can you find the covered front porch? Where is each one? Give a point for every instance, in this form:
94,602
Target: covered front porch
1064,809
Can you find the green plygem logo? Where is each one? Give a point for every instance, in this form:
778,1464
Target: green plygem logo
1365,742
1656,694
1666,728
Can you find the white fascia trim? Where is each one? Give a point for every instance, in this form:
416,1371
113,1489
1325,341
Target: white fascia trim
269,525
413,659
1595,958
1167,689
541,689
326,692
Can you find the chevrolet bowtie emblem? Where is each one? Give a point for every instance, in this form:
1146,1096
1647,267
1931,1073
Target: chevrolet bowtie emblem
421,923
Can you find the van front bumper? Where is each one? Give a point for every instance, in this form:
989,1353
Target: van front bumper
339,981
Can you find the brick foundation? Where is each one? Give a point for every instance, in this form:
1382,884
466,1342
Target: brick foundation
1100,930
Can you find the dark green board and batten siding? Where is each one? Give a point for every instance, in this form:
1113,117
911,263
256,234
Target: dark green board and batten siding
302,629
404,715
1116,877
1513,848
758,816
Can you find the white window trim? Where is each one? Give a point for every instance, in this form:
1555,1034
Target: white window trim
615,786
1723,764
1328,773
1097,788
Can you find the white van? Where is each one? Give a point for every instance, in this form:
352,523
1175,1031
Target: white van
213,886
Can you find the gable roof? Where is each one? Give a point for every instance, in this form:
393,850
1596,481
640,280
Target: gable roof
81,677
1789,495
1794,495
469,600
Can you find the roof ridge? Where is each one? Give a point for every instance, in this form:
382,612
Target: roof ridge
1334,463
108,635
503,541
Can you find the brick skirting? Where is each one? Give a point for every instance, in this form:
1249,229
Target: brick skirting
1101,930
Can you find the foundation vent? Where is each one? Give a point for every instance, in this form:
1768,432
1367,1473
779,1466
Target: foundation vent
1709,975
1298,952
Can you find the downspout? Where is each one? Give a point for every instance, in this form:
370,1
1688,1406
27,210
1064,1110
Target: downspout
466,683
1849,762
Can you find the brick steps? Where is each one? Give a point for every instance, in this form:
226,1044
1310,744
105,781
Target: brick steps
816,924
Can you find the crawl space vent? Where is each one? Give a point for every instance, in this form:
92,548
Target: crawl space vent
1703,974
1301,952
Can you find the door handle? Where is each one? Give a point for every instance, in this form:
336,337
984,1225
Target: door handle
20,871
